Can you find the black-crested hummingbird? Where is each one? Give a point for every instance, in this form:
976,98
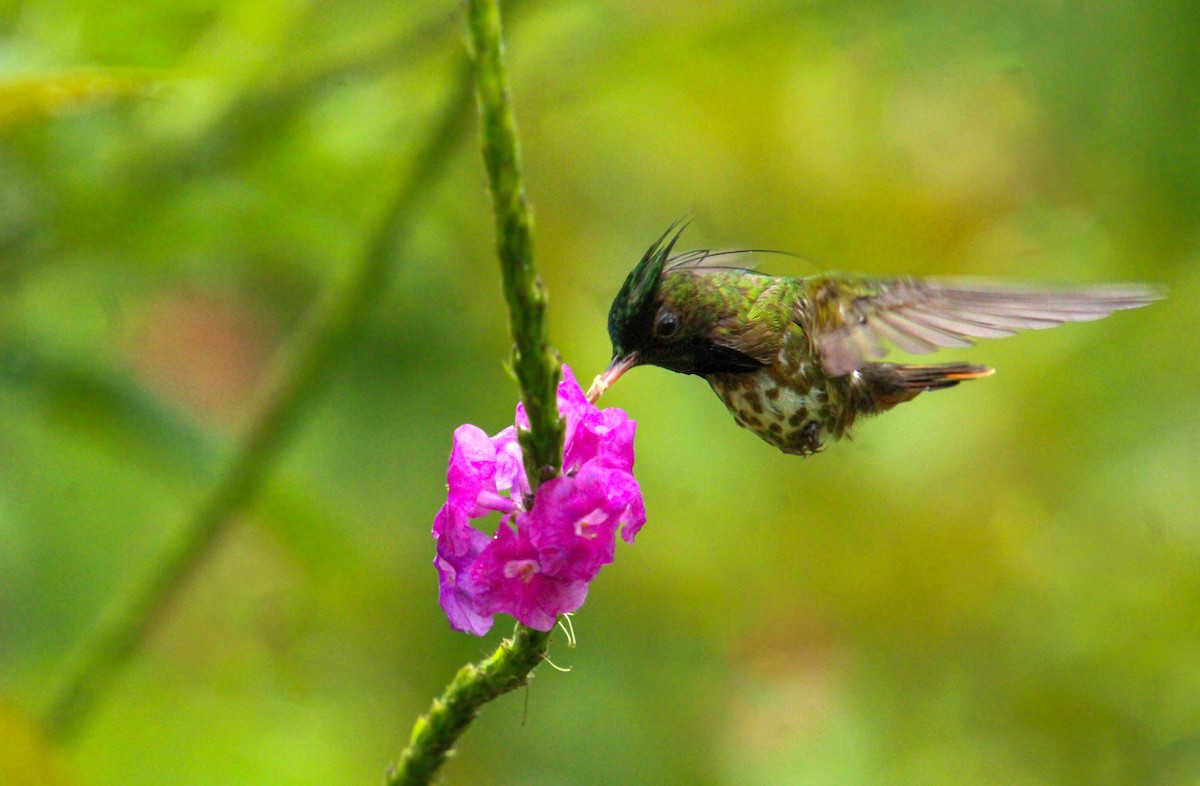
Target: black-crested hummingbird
796,359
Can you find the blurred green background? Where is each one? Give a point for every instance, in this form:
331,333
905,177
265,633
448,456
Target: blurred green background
996,584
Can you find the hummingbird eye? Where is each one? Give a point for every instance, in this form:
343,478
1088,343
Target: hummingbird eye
667,325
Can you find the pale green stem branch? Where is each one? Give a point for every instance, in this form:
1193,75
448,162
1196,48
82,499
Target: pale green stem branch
296,379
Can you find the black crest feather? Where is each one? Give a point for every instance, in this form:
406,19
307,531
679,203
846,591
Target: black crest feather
633,308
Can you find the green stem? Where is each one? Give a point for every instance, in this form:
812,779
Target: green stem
434,734
537,367
535,361
296,380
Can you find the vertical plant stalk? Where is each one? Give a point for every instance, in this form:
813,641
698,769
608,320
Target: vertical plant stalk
295,381
535,362
538,370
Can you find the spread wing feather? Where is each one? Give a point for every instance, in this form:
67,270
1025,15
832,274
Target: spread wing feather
853,320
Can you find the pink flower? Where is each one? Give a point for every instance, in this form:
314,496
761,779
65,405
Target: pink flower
540,561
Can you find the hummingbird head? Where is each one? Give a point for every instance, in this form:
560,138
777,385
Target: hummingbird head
659,318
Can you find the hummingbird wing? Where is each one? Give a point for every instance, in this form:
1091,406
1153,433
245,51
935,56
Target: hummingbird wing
704,260
853,319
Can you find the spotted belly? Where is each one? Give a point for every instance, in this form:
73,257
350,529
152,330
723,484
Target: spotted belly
788,413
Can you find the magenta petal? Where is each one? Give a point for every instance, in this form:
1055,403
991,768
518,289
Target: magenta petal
572,404
553,598
452,530
510,466
472,474
617,446
571,398
458,602
512,581
538,565
625,495
472,466
621,495
574,520
458,547
606,437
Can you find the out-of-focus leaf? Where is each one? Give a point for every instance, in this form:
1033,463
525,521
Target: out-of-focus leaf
26,757
34,96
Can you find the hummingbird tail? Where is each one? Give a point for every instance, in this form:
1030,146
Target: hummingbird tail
893,383
935,377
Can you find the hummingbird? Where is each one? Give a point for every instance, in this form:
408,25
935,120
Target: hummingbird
796,360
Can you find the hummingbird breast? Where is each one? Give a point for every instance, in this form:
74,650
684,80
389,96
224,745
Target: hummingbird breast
786,403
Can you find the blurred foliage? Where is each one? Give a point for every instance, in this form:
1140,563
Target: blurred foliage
996,584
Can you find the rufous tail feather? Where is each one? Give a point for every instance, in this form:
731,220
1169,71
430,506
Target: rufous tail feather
894,383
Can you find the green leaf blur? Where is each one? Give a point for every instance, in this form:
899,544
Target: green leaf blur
994,584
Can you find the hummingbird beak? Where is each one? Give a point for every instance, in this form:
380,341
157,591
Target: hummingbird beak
615,369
